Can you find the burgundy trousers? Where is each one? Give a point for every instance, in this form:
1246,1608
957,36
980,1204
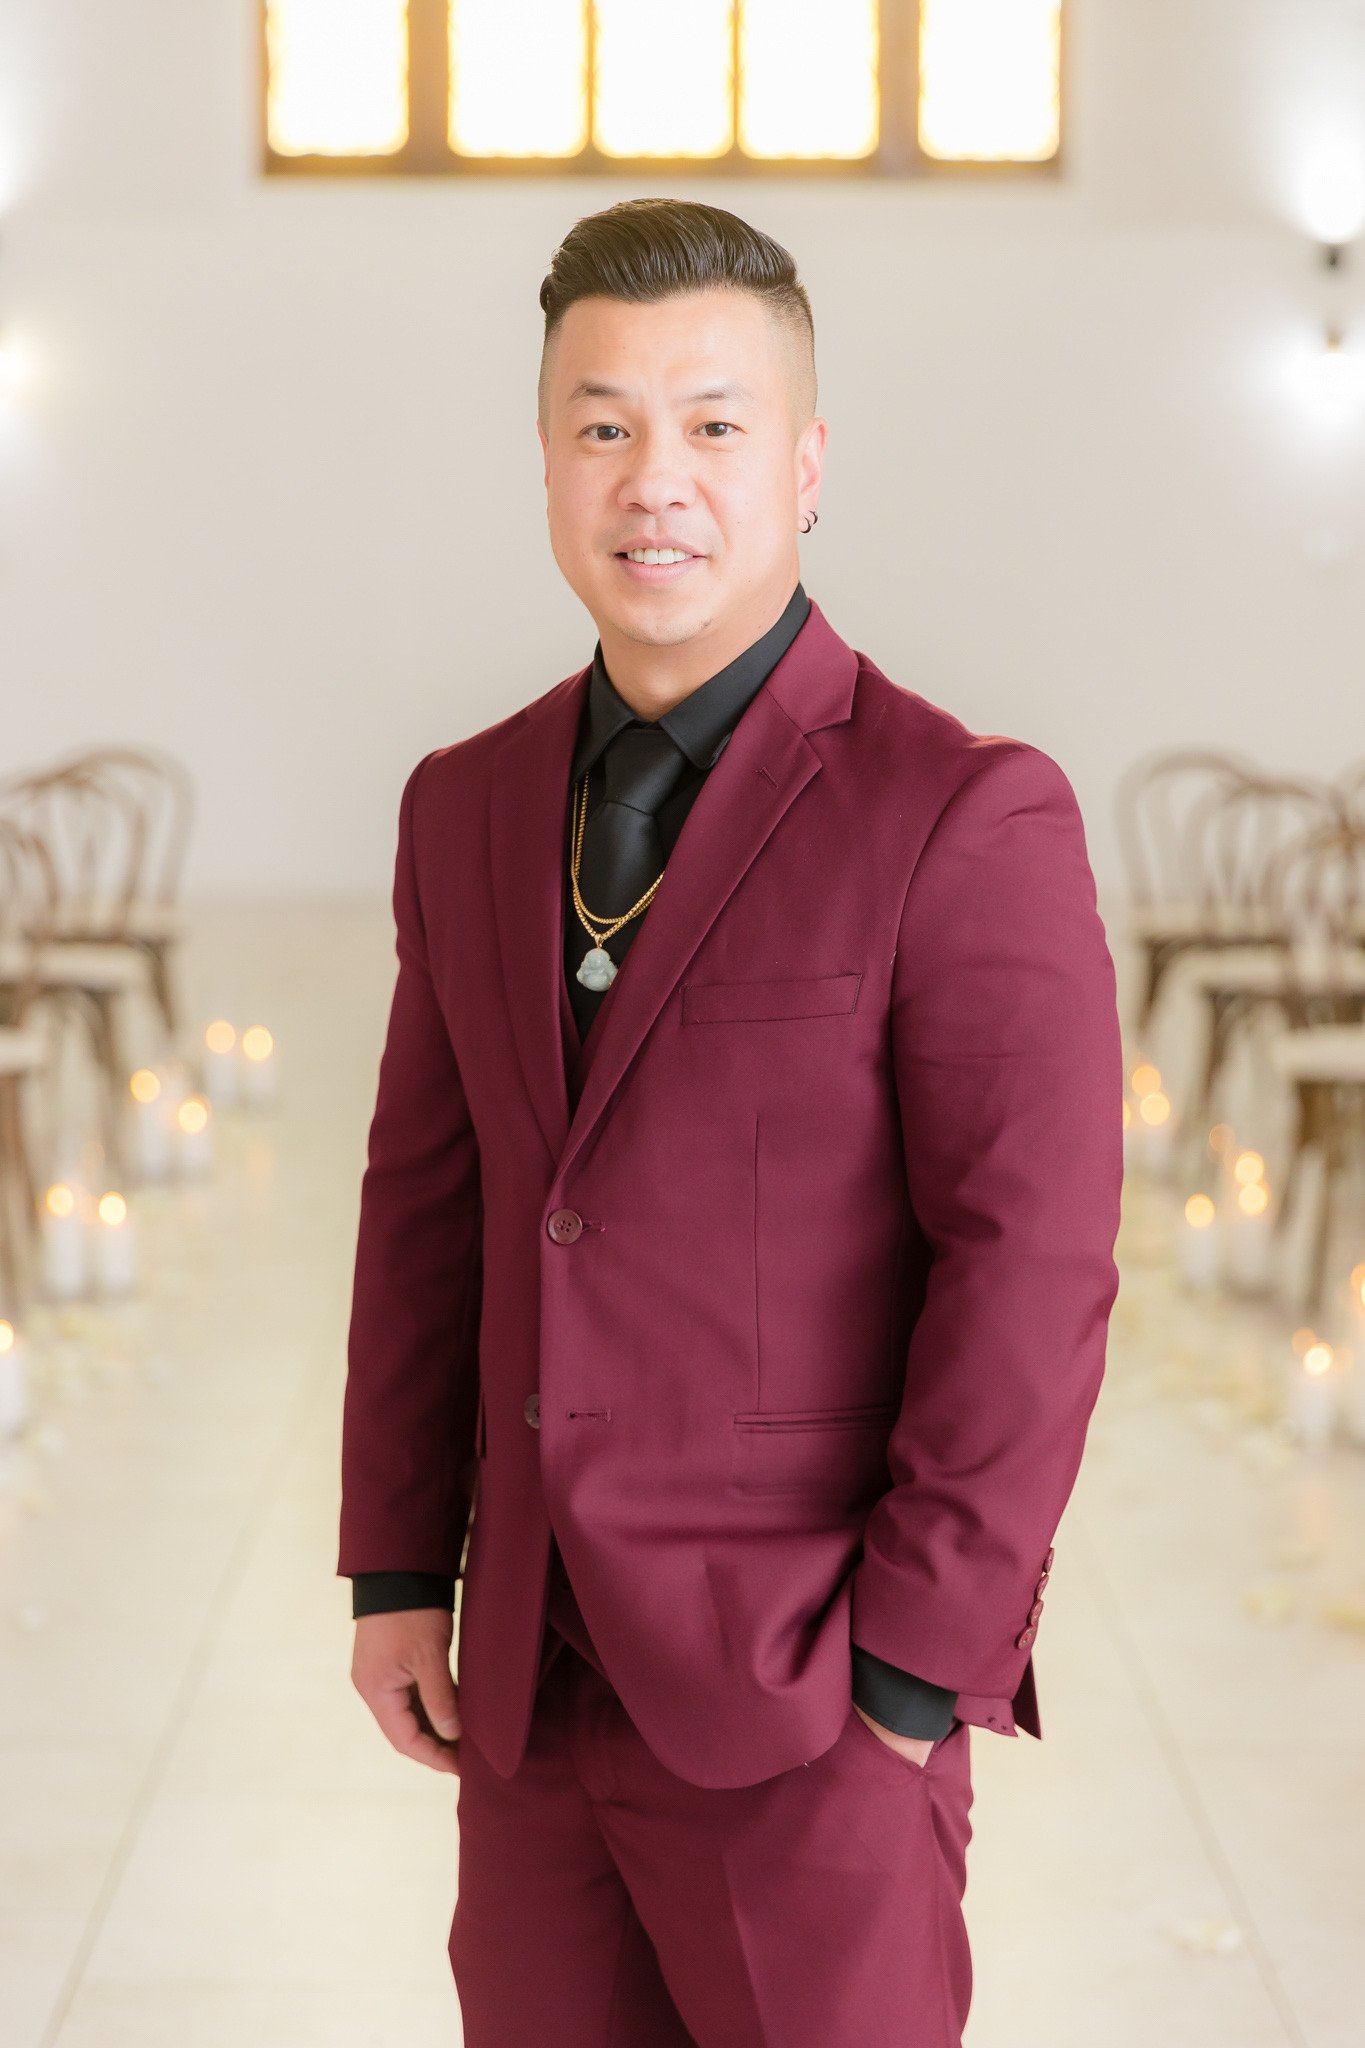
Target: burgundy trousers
605,1903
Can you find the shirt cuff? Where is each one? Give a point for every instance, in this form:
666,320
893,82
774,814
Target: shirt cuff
391,1592
901,1702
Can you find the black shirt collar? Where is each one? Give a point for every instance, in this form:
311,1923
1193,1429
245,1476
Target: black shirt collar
701,722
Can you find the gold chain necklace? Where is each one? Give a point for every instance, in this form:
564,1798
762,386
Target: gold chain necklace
597,969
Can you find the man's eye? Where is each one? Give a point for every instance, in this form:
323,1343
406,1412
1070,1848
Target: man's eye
721,423
604,428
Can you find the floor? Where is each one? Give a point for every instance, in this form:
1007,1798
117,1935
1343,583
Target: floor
205,1840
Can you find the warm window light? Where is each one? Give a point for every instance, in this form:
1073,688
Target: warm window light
113,1210
1247,1167
808,78
257,1042
1146,1079
192,1114
1199,1212
144,1085
545,50
1318,1358
989,80
60,1200
662,80
1254,1198
220,1036
338,77
1154,1109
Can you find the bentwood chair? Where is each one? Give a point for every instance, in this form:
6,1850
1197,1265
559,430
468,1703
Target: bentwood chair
1158,803
27,900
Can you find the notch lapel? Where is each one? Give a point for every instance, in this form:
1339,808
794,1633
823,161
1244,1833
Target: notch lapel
766,763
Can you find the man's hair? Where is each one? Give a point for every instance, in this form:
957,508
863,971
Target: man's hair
655,248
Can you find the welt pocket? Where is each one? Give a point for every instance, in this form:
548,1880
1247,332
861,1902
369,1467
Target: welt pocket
737,1002
813,1450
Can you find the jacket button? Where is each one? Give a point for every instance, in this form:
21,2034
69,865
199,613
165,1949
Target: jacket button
1035,1610
531,1410
1047,1561
565,1225
1025,1637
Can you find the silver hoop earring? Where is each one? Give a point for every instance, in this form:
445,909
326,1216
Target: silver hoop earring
813,517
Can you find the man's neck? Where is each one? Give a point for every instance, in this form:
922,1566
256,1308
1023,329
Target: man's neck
653,679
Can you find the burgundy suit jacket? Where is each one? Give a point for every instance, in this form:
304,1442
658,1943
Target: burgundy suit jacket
812,1281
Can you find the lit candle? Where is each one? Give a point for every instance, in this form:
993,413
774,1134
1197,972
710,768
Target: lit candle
194,1132
1199,1242
1313,1398
1249,1237
221,1064
114,1246
65,1264
14,1395
1156,1129
260,1075
152,1131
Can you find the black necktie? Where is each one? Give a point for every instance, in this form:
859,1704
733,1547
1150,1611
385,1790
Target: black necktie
622,852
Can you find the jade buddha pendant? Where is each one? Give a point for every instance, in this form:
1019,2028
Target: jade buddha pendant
597,969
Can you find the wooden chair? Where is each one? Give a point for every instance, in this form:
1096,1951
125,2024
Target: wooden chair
1321,1052
27,901
1244,835
92,836
157,796
1157,799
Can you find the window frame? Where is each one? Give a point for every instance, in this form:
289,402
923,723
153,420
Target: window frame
427,151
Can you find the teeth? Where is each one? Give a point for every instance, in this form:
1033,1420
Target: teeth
657,555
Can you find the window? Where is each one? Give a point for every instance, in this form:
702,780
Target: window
461,87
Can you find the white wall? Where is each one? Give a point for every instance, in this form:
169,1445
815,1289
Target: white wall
272,496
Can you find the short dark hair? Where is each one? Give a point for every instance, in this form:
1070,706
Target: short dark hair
656,248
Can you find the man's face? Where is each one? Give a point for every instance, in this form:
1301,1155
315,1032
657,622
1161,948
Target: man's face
694,444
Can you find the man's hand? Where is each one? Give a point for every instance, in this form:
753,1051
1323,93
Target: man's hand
915,1747
401,1669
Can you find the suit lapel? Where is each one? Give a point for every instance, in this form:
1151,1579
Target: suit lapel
763,768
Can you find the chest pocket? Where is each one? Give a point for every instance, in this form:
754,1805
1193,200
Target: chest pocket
742,1002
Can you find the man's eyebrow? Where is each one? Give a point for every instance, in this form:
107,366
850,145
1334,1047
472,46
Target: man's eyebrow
591,388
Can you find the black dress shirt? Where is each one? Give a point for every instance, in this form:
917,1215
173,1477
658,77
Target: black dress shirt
700,725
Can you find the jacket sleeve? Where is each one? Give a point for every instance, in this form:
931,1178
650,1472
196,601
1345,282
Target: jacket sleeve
411,1399
1009,1074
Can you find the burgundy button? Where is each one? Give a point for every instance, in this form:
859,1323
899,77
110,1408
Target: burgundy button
1035,1610
565,1225
1047,1561
531,1410
1025,1637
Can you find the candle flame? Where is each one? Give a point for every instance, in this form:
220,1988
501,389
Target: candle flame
1248,1167
1317,1359
60,1199
1254,1198
144,1085
257,1042
112,1208
1154,1109
1146,1079
1199,1212
1301,1340
6,1336
220,1036
1221,1138
192,1114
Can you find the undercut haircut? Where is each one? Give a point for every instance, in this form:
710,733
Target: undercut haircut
646,249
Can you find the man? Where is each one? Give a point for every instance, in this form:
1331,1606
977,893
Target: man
735,1249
